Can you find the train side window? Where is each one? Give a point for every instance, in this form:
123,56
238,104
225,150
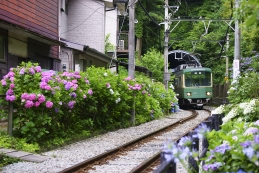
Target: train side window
176,81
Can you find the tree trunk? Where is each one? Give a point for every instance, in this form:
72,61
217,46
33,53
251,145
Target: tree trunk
139,47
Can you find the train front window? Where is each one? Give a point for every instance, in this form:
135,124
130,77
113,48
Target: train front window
197,78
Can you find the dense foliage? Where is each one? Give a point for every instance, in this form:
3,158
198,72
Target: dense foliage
64,105
206,38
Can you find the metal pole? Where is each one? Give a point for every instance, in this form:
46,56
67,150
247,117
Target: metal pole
131,67
227,46
166,47
236,64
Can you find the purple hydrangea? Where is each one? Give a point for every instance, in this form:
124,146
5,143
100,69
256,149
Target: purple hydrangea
251,131
222,148
73,95
246,144
71,104
68,85
201,131
213,166
249,151
22,71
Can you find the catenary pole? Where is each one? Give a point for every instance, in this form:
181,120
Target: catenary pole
166,35
131,67
236,64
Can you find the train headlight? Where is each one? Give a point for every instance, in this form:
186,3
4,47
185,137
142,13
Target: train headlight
208,93
189,94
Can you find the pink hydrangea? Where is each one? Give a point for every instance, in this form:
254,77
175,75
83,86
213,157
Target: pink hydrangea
90,92
74,81
41,98
12,85
87,81
47,87
84,96
49,104
43,85
38,69
32,97
31,70
12,79
25,96
10,74
37,104
11,98
9,92
3,82
28,104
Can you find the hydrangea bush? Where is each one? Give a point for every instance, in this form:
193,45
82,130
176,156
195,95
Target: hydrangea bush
234,148
50,104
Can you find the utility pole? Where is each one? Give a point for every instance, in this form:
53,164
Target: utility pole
166,74
131,65
131,37
236,64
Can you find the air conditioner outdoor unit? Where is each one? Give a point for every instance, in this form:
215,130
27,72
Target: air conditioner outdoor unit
121,44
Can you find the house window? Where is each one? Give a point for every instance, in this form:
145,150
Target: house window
64,6
2,48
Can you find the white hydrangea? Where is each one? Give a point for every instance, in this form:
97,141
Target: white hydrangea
230,115
243,105
249,109
218,110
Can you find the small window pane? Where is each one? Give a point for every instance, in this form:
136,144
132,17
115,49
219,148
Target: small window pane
2,48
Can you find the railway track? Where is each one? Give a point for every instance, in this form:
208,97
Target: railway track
145,150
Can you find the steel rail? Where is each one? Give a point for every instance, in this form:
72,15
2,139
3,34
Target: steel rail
87,164
156,158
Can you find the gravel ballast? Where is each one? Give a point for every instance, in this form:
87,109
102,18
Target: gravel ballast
78,152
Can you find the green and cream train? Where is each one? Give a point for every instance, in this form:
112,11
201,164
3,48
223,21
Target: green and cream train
193,85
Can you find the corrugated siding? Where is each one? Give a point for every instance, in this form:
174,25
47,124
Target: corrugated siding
40,16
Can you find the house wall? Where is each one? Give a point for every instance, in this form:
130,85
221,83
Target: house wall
86,23
37,16
111,26
63,21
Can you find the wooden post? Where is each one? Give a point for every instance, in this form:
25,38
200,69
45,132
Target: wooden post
10,119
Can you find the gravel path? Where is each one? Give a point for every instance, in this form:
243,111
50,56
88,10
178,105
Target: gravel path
75,153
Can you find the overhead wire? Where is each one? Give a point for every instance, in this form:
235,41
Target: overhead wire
95,10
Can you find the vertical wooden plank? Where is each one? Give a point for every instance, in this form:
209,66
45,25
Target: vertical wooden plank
10,119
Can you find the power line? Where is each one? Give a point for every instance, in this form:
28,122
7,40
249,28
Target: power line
81,22
147,13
